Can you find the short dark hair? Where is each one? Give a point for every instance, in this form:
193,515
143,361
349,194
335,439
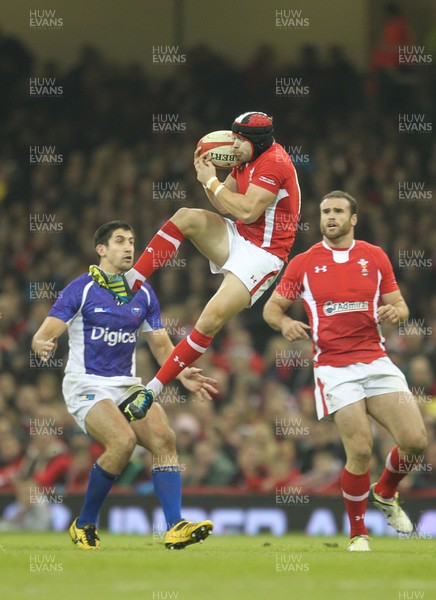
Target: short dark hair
104,232
340,194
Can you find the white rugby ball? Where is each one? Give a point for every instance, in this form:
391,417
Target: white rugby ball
219,144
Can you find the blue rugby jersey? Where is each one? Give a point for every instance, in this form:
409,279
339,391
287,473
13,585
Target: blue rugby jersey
102,333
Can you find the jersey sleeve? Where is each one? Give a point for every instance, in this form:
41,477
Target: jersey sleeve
291,284
388,282
68,302
153,319
268,176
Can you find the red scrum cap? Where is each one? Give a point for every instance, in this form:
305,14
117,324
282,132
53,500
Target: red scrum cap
257,128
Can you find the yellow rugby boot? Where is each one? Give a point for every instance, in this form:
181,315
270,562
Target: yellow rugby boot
185,533
86,537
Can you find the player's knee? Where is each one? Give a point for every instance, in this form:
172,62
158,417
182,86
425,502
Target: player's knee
211,326
211,322
415,443
361,451
363,455
163,442
124,444
168,442
186,219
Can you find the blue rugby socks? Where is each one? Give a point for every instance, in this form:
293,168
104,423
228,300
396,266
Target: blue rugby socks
99,486
167,483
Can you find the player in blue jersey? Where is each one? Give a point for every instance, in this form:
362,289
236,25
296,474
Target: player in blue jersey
99,383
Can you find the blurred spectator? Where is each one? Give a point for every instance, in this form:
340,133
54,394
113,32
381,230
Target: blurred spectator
284,470
253,468
392,80
421,376
11,458
396,32
70,470
324,476
29,513
209,466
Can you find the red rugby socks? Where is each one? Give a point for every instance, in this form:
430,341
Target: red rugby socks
184,354
396,468
159,251
355,490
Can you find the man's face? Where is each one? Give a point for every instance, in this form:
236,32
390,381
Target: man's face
242,149
117,256
336,219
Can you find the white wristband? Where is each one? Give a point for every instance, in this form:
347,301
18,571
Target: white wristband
219,188
210,181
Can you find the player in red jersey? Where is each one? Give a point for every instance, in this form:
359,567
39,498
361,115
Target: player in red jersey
263,195
348,288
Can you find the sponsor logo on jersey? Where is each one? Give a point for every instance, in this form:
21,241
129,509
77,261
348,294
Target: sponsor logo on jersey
322,269
112,338
86,397
333,308
102,310
267,180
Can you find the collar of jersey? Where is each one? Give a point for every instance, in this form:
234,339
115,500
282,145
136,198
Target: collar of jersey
353,243
340,255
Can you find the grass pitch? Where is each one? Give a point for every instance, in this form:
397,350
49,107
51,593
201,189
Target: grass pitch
48,566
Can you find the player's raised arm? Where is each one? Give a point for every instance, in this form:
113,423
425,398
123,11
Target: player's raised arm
274,313
44,341
247,207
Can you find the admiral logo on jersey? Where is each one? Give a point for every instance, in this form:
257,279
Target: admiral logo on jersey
333,308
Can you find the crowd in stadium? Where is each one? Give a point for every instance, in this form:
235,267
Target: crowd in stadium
100,158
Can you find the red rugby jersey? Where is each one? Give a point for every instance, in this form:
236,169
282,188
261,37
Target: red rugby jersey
275,229
341,290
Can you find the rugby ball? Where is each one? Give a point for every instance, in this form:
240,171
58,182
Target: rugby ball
219,144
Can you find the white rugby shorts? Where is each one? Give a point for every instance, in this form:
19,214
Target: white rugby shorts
254,266
336,387
81,392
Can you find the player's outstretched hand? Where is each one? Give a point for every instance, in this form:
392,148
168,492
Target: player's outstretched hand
294,330
388,314
204,167
198,384
48,348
